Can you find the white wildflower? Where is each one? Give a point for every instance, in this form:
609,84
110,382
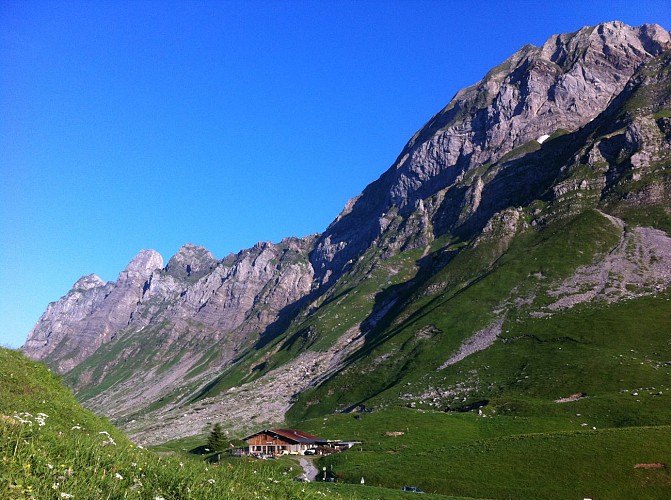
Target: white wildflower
24,418
159,498
55,486
66,495
75,428
181,465
41,419
50,466
118,476
211,481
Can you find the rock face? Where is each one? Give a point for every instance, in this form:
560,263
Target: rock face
241,294
580,124
564,84
191,263
90,314
254,287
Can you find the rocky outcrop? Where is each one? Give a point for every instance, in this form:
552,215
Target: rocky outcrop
233,298
563,84
141,267
248,290
91,314
191,263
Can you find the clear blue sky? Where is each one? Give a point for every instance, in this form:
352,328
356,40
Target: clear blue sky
149,124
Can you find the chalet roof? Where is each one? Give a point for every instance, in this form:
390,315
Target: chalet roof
290,434
300,436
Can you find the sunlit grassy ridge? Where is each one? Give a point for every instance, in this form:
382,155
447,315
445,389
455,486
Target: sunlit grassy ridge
52,448
452,306
527,445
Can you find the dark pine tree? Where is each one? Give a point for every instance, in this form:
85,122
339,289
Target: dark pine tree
217,440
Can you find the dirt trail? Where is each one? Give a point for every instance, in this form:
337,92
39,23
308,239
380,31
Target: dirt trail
310,470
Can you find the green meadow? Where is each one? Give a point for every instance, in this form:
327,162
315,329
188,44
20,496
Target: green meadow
498,457
51,448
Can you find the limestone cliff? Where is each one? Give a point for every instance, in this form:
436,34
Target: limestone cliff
232,298
538,91
91,314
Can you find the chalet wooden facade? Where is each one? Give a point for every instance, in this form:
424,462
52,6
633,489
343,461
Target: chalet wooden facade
282,442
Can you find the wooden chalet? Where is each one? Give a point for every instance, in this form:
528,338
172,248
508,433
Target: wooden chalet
282,442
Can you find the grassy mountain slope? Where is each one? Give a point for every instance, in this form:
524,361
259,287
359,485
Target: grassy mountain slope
501,457
613,357
546,357
50,447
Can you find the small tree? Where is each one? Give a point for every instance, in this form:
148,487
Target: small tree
217,440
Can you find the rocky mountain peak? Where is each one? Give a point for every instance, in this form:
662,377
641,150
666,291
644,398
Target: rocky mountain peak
191,261
142,265
614,39
562,85
88,282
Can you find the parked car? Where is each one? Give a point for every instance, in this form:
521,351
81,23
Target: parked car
412,489
310,451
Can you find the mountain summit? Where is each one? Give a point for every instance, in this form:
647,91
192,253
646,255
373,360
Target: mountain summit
540,190
536,92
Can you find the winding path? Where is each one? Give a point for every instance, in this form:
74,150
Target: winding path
310,470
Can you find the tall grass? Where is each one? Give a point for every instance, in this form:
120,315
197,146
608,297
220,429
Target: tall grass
42,461
50,447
